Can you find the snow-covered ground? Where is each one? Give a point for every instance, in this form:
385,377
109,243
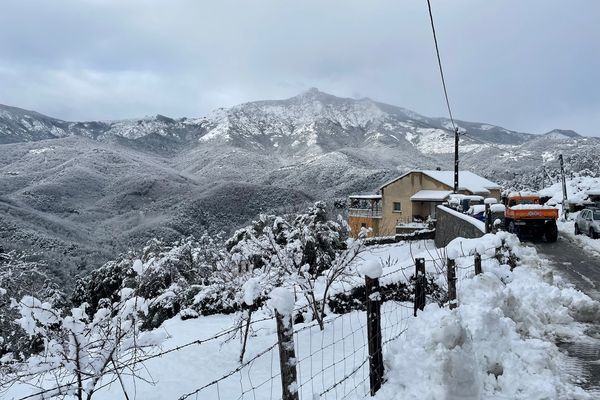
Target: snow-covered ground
498,344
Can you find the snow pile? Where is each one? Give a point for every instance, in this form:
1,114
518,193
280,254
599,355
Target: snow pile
251,290
531,207
372,268
499,342
497,208
577,189
567,230
282,300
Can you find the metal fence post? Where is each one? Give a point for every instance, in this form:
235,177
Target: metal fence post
477,263
374,334
420,284
452,284
287,357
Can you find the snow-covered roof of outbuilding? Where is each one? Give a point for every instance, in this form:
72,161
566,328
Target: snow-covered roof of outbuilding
431,195
466,180
365,196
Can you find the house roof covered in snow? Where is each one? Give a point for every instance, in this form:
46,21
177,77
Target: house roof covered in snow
365,196
431,195
466,180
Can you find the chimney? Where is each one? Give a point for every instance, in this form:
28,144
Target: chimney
438,169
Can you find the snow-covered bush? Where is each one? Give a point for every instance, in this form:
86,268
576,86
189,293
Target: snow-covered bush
309,252
19,277
168,275
82,352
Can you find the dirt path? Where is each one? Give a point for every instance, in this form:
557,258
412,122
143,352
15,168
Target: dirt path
582,268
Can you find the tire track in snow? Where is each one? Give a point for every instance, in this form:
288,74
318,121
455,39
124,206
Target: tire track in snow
583,270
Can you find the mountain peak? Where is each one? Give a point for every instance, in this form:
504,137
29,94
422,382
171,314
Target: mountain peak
312,94
562,134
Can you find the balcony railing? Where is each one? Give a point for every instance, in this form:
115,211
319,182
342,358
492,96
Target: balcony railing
364,212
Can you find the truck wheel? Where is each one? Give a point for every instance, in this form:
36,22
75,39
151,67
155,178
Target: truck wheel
551,233
577,231
593,234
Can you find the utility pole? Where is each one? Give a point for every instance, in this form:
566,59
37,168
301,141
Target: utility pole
456,160
564,187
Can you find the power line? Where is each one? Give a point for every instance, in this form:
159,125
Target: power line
456,135
437,51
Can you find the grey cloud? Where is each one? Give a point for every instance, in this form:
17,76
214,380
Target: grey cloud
529,66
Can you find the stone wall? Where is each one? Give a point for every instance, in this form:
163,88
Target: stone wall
452,224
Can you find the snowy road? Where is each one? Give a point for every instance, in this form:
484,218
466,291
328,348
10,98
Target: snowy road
582,268
579,266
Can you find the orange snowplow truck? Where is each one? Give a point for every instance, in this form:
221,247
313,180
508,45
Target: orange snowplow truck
526,217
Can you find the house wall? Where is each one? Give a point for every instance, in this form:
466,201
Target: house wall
401,191
356,224
496,193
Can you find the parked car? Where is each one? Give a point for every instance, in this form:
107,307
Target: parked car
588,222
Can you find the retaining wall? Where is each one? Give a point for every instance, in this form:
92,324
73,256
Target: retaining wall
452,224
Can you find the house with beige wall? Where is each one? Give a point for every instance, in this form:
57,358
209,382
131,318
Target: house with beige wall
411,197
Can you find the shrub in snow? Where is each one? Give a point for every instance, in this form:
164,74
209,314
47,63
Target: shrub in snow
82,351
309,251
19,277
169,275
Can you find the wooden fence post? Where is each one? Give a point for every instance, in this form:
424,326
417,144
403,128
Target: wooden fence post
452,284
420,284
512,261
488,218
477,263
374,334
287,356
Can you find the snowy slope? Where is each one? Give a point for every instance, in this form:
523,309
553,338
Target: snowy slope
64,182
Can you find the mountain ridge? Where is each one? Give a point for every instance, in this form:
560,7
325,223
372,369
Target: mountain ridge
76,193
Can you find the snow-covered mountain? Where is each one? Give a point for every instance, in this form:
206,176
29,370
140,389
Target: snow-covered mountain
311,120
80,191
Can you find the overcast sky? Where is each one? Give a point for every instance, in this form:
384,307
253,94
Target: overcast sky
526,65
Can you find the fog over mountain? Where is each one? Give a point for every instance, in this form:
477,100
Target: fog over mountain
77,192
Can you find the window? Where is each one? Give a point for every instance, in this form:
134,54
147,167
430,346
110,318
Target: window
597,215
397,207
363,225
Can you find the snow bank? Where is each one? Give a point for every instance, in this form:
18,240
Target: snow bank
567,230
499,342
